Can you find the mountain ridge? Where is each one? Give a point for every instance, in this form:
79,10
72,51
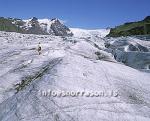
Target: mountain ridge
35,26
131,28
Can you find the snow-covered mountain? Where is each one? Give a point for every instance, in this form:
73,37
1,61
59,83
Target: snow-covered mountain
48,26
83,65
35,26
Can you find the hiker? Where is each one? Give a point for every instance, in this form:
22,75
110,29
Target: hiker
115,56
39,48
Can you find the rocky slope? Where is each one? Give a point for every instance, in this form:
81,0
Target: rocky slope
132,28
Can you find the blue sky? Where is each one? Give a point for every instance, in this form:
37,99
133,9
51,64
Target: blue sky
89,14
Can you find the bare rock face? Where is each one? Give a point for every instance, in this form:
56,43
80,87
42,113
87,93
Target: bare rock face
59,29
35,27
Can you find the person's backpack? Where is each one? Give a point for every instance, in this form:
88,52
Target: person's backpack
39,48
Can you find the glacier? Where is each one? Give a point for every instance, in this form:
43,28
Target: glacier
83,62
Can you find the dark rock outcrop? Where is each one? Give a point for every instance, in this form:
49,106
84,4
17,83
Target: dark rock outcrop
60,29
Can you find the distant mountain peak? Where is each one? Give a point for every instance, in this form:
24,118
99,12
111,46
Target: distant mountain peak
54,19
34,19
